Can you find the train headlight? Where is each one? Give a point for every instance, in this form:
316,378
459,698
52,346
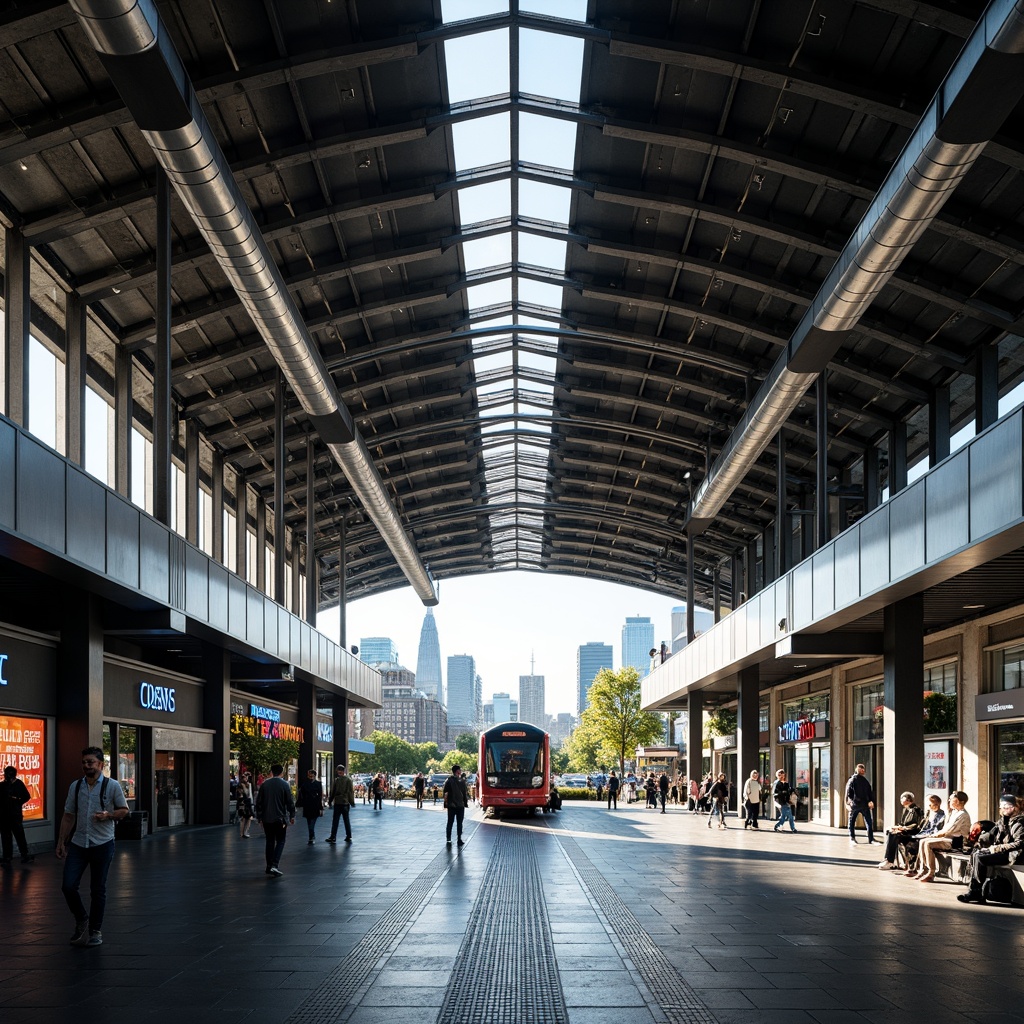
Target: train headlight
492,780
538,780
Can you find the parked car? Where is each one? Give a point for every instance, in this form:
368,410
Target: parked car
573,781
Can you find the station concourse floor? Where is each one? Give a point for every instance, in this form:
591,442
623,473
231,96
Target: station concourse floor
582,917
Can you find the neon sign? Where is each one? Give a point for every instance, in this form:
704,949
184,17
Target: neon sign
803,730
267,714
3,658
324,732
156,698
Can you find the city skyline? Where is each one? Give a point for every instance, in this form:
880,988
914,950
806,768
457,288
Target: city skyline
500,618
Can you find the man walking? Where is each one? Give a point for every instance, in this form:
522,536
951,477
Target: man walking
342,798
311,798
613,791
86,840
782,795
275,811
419,785
456,799
13,796
860,799
663,790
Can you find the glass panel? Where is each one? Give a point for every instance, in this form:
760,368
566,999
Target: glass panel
1010,744
550,64
477,65
478,203
127,761
481,142
495,251
547,141
1007,669
537,251
170,788
464,10
867,711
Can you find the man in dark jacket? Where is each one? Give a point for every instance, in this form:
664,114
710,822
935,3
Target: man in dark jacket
1002,844
275,811
902,832
456,799
860,800
13,796
663,790
342,798
613,791
311,797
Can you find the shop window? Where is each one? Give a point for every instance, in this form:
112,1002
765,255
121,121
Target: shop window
1007,669
867,711
940,701
1010,747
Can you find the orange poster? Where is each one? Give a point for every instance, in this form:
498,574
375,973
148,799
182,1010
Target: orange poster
21,744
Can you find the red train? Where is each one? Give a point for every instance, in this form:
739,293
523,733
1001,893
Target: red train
515,768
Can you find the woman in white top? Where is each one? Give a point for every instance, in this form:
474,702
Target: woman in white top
957,827
752,800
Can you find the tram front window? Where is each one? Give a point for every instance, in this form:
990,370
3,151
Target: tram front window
515,764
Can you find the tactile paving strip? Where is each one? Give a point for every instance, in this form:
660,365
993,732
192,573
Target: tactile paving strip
505,972
680,1004
333,1000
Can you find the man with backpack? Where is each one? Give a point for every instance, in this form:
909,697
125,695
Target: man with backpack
95,802
1001,845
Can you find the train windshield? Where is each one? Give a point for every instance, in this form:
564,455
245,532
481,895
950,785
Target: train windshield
514,762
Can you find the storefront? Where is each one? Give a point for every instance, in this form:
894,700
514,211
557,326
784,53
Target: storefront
803,735
153,726
1001,710
257,720
28,665
324,751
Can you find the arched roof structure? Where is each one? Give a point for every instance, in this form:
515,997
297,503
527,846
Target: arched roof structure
537,390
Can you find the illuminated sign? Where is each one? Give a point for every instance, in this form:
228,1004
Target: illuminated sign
250,726
509,732
324,732
3,658
21,745
268,714
803,730
156,698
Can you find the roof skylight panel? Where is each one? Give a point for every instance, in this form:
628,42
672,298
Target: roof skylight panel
482,142
466,10
477,65
495,251
478,203
547,141
550,64
537,251
548,203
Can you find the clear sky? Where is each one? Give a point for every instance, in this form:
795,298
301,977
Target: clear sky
503,618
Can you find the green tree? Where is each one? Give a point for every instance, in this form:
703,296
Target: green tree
615,714
258,754
391,754
468,743
559,761
583,747
467,762
425,753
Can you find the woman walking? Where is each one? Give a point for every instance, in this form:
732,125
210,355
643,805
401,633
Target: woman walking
752,800
243,806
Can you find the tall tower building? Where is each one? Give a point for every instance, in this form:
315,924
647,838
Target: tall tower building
428,661
637,641
703,620
376,649
590,659
531,699
462,688
503,705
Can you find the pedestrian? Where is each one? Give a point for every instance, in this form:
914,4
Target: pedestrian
1001,845
782,794
244,806
663,790
311,800
377,787
456,799
752,800
613,791
694,795
14,795
342,799
86,840
719,796
903,831
673,794
651,789
275,811
860,800
419,785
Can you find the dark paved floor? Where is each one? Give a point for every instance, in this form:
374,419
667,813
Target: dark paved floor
628,917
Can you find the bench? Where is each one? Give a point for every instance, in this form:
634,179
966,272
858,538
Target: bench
956,866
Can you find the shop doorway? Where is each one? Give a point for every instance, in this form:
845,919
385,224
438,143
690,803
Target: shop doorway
171,788
871,756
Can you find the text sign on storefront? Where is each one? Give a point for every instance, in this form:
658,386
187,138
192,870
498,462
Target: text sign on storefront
993,707
250,726
3,659
324,732
803,730
269,714
21,745
156,698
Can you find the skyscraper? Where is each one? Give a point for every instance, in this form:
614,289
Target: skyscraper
703,620
428,661
462,683
503,705
637,641
590,659
376,649
531,699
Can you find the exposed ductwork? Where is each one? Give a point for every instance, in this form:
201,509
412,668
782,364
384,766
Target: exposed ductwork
980,91
140,58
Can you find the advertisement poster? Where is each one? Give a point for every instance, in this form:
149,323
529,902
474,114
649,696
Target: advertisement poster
936,771
21,744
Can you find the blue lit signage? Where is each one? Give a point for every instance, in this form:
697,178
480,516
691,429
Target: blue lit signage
156,698
325,732
3,658
267,714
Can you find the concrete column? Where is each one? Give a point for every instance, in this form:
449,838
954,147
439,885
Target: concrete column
938,425
124,413
748,734
821,516
694,733
279,499
211,789
783,553
986,388
241,524
75,361
736,578
261,543
162,422
691,558
870,479
312,566
972,767
192,481
217,503
340,706
897,458
753,576
79,683
716,594
342,585
903,712
307,722
17,319
770,555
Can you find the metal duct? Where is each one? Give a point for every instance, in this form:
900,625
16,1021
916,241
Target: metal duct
974,99
140,58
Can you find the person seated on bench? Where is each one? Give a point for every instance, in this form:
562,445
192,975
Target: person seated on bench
1001,845
897,836
950,837
935,822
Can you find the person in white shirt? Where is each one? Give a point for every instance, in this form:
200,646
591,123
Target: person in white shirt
953,834
752,800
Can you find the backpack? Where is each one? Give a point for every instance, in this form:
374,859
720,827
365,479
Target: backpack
103,805
998,889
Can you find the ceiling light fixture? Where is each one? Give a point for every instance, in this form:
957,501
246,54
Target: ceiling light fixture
23,165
